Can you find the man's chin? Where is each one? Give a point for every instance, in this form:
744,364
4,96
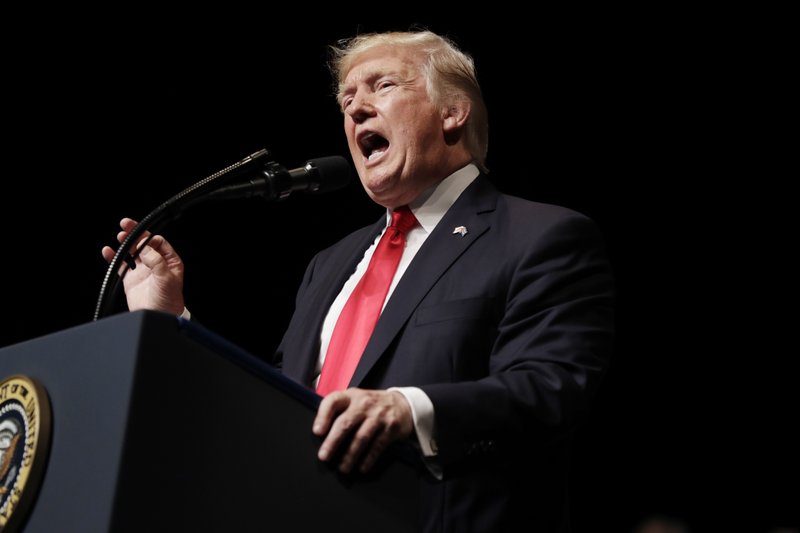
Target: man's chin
377,181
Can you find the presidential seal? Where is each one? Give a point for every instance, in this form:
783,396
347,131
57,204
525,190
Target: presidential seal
24,444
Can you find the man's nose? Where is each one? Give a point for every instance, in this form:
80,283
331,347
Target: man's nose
360,108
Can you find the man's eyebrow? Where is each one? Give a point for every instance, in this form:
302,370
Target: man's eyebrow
372,75
347,88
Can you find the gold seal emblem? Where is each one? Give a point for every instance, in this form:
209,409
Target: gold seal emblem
24,444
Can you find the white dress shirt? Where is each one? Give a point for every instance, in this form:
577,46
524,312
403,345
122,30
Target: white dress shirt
428,208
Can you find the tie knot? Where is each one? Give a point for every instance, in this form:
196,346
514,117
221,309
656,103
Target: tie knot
403,219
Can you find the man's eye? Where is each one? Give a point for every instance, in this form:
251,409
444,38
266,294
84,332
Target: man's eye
385,84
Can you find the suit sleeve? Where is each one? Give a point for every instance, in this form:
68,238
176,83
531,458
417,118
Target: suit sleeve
551,350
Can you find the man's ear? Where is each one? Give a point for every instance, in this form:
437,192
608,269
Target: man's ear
454,116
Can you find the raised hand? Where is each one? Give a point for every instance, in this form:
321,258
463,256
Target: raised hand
156,281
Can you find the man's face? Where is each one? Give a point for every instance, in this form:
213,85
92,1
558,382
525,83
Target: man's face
393,129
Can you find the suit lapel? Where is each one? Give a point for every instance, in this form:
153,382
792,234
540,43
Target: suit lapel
440,250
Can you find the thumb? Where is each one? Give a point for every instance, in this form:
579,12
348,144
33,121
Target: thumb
165,250
152,259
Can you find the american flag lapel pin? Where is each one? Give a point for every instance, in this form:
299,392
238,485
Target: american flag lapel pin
460,229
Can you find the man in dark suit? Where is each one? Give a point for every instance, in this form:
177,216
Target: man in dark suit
497,323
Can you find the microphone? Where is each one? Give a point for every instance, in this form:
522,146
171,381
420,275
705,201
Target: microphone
269,180
273,182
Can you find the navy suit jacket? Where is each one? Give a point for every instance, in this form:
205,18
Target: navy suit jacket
508,329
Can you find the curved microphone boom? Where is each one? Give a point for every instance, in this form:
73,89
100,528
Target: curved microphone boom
269,180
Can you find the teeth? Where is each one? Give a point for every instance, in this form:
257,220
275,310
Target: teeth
376,153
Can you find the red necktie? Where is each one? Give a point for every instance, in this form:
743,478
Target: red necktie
360,314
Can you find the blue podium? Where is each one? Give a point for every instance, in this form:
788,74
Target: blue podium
157,424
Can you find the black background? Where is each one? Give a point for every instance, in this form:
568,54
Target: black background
621,122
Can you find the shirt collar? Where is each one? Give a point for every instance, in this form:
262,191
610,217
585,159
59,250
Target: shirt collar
430,206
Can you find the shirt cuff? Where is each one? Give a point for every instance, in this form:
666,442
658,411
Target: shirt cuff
186,314
422,411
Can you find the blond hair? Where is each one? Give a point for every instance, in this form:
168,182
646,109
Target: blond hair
449,74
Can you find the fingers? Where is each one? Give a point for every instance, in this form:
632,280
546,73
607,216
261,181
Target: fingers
159,256
342,428
375,444
108,253
127,225
368,442
165,249
157,243
371,420
151,258
329,408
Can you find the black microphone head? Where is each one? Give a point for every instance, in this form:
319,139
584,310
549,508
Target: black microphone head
330,173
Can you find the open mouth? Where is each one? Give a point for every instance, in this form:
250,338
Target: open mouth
372,145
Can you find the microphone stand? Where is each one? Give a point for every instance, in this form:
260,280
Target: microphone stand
168,211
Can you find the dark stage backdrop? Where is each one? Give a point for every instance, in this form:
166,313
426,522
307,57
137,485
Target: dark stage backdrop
610,120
